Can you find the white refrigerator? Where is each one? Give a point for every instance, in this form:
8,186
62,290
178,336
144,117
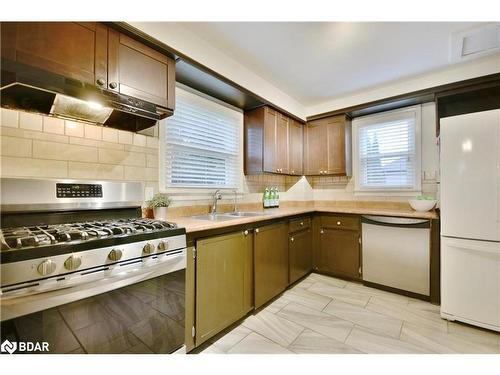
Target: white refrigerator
470,218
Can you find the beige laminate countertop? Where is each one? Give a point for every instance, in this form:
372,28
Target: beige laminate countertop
196,225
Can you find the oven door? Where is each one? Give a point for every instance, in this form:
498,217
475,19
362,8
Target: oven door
138,308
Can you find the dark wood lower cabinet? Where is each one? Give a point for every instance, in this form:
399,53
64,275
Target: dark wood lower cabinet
339,249
223,282
270,262
300,254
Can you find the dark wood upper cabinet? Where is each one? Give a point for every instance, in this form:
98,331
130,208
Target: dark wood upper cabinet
74,50
136,70
295,148
93,53
328,146
273,142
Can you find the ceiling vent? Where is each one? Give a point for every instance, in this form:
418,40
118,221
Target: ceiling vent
476,42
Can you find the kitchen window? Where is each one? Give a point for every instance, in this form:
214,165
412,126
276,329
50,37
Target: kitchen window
202,144
387,151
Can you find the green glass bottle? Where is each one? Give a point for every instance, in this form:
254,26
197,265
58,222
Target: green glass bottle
265,198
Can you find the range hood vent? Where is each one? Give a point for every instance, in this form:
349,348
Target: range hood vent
31,89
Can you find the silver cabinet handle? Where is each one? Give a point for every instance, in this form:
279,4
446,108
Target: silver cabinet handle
292,239
301,223
321,231
338,223
113,85
245,233
257,230
101,81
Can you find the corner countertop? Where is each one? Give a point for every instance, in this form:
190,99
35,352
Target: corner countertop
386,209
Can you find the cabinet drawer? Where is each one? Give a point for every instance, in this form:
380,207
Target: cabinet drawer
341,222
299,224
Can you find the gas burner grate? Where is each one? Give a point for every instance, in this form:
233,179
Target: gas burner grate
22,237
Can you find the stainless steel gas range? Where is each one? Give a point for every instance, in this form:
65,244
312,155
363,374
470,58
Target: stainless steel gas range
83,272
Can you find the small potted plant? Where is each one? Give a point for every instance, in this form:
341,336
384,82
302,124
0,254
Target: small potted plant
159,203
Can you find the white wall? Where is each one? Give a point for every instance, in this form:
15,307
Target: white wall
454,73
175,35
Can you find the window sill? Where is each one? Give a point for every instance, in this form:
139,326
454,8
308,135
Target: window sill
388,193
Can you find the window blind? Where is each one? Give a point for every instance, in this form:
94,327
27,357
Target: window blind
202,142
387,151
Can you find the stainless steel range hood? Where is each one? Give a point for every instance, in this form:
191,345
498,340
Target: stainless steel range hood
31,89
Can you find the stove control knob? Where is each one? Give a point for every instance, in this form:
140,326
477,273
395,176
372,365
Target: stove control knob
72,263
46,267
148,248
115,255
163,246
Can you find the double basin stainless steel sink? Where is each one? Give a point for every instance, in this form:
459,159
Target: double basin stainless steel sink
227,216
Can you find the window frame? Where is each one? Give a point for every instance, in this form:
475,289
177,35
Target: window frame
416,189
192,192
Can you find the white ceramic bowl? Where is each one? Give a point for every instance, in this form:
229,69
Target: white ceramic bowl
422,205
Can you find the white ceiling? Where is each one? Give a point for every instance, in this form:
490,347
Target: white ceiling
316,62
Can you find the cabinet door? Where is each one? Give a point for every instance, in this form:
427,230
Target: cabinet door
300,254
281,151
139,71
336,145
295,147
339,252
270,262
220,283
270,163
316,148
74,50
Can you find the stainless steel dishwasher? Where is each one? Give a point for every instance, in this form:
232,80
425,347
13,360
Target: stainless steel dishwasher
396,252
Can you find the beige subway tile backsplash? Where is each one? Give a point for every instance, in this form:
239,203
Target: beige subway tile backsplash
95,171
28,167
139,140
125,137
110,135
152,160
30,121
22,133
122,157
53,148
12,146
152,142
74,129
58,151
135,173
93,132
94,143
53,125
9,118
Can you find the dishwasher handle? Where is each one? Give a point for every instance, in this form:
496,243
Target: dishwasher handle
390,221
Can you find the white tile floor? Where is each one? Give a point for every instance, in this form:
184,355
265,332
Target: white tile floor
322,314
